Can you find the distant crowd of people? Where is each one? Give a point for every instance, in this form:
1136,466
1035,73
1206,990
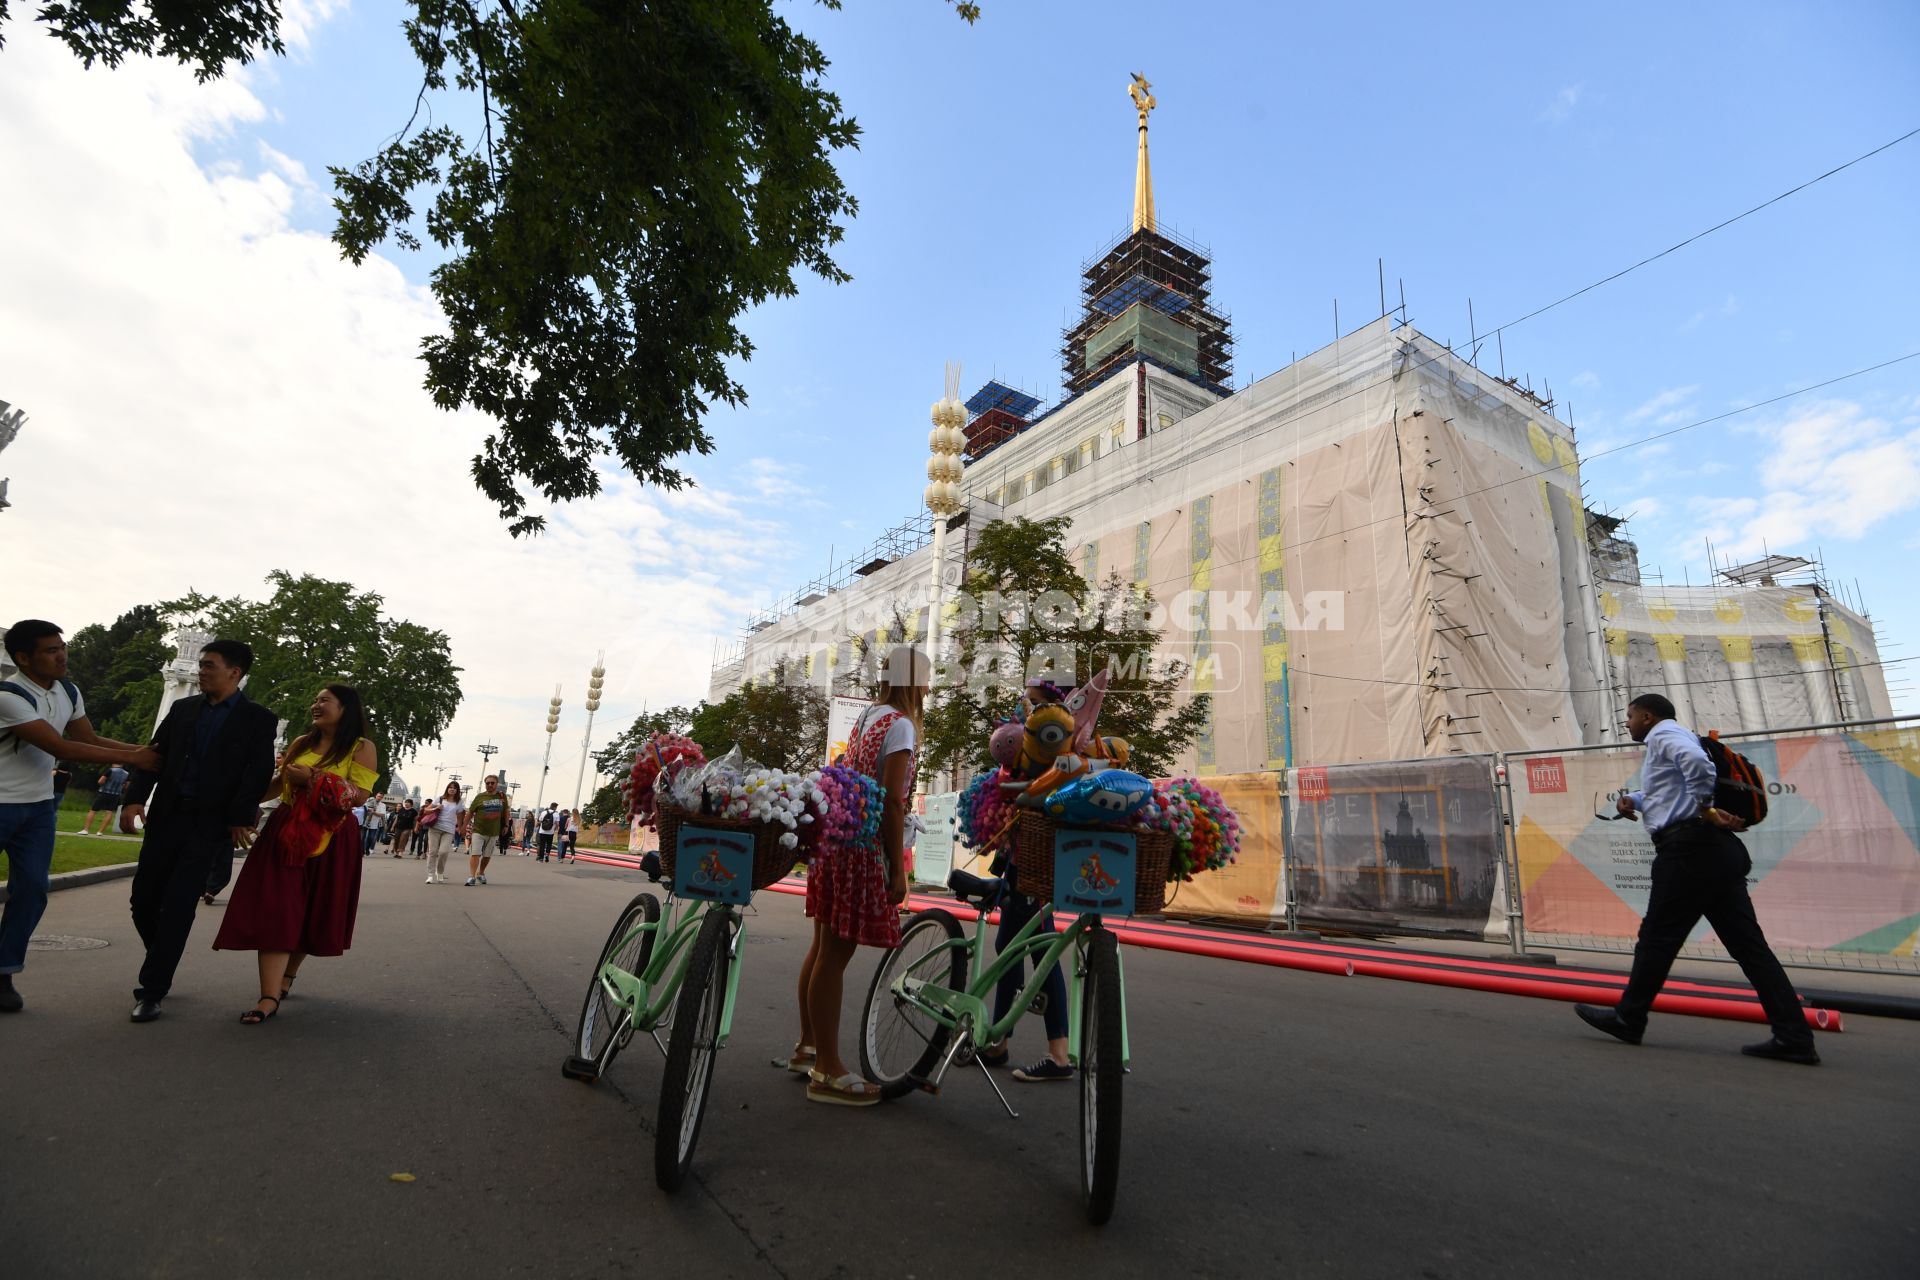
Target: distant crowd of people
486,826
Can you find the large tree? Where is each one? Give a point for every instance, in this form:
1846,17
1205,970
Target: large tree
776,720
117,667
1028,602
311,631
641,176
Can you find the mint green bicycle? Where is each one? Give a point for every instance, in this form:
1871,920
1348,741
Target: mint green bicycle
929,1007
676,974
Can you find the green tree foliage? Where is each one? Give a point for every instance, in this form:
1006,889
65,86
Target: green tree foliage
1034,604
206,35
643,174
777,720
117,667
311,632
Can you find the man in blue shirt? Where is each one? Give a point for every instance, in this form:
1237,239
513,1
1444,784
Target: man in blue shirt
106,799
1699,869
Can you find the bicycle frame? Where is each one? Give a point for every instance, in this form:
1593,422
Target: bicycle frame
968,1010
646,999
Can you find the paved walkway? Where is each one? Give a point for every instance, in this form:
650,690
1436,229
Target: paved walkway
1277,1122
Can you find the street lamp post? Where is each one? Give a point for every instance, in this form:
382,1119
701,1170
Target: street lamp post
553,723
487,752
593,705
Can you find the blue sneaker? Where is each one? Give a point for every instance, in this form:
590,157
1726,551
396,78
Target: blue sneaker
1044,1070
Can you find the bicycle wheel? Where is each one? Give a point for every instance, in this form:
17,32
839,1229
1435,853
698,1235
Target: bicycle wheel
696,1028
1101,1071
605,1026
897,1040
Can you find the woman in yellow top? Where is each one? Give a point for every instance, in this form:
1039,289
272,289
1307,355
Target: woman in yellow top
300,888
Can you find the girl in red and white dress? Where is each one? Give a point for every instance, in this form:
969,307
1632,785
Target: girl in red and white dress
854,892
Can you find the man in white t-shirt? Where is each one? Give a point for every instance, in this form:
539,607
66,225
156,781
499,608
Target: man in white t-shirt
43,720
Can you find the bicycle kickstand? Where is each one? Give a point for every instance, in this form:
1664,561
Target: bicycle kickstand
995,1086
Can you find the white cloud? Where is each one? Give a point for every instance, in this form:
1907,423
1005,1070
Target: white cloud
1586,380
1665,408
1831,470
213,394
1560,108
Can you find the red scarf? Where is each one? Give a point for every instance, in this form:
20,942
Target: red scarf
313,814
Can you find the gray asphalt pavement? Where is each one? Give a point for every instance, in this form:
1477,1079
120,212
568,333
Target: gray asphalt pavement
1277,1123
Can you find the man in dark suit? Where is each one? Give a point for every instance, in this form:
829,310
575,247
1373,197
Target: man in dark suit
216,759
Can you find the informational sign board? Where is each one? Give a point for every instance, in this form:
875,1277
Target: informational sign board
842,714
933,851
1094,871
714,864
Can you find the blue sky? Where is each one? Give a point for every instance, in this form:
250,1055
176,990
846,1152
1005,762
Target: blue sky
1507,154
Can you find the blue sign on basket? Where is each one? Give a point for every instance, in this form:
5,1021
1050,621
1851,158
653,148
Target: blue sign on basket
714,864
1093,871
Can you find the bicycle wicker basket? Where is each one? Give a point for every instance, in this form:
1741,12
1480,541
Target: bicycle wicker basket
771,863
1033,858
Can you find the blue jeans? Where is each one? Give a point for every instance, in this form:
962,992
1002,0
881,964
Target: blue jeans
1015,910
26,834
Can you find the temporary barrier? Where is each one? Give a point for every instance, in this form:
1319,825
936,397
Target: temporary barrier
1836,866
1250,888
1401,847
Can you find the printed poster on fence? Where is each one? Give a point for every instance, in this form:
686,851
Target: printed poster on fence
933,851
1411,847
843,714
1835,865
714,864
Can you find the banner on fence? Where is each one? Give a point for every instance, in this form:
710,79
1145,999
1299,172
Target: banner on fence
1249,889
933,851
1412,847
1835,865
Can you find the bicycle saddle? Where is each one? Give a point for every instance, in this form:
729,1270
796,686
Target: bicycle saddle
975,890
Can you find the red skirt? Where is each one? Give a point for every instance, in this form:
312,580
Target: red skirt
847,888
308,908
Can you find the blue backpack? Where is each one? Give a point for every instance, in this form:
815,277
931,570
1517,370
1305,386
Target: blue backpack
31,699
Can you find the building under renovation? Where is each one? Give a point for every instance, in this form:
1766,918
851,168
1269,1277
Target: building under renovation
1378,552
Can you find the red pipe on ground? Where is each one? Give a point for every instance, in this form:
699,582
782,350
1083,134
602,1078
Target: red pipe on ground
1335,958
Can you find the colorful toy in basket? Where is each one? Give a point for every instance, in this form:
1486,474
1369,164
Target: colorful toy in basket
1110,796
662,753
1206,833
1060,744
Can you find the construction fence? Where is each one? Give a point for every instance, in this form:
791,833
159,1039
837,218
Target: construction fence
1519,847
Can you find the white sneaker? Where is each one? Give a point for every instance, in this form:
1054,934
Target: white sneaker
429,877
471,881
483,879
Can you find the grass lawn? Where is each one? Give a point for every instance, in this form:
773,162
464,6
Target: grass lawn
74,852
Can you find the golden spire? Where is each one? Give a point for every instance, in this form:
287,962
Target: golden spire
1143,101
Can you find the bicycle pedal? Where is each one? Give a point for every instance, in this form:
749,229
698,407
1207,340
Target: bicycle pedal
577,1068
1039,1004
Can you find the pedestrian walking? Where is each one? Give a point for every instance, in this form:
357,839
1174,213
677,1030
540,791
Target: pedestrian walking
549,823
448,816
527,821
216,760
401,836
1699,869
573,835
43,720
487,818
299,892
854,891
109,793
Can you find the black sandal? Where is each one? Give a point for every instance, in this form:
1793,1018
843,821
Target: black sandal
286,986
253,1017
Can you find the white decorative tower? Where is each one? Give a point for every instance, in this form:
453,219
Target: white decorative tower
553,723
944,500
593,705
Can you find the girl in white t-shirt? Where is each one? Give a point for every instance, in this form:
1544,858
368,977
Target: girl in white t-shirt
440,835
